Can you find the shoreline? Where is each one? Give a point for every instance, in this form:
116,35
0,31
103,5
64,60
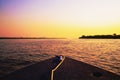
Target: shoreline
28,38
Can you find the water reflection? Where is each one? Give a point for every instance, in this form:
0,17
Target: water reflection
103,53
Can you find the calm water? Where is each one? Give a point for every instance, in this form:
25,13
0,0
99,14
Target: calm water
18,53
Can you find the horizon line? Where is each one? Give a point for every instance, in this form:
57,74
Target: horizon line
30,38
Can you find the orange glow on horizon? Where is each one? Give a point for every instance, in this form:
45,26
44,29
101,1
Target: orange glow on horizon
55,19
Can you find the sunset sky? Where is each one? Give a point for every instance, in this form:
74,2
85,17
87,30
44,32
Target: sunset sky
58,18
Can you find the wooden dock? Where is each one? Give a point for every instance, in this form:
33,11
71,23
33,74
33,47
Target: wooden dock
67,69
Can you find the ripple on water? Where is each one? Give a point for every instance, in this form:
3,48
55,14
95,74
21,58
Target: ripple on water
101,53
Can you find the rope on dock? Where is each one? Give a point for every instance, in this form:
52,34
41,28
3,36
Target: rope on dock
52,73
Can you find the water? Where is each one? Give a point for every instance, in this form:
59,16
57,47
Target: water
18,53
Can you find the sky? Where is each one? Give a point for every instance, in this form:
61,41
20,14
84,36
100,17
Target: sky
59,18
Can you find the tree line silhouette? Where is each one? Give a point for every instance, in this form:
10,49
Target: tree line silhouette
114,36
29,38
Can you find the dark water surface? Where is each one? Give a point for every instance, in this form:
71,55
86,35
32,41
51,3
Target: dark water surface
18,53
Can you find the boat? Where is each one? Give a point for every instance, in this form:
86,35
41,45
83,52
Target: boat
65,69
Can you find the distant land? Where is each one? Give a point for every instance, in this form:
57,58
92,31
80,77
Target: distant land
28,38
114,36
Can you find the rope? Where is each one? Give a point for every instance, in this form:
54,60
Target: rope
52,73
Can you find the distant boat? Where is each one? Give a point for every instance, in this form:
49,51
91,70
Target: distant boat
69,69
